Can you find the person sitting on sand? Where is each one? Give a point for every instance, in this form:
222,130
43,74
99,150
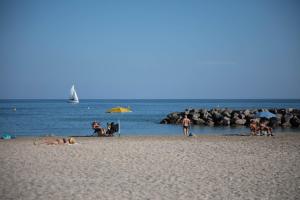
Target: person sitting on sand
112,128
254,127
56,141
98,129
265,127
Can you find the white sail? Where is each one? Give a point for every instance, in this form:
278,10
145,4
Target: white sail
73,95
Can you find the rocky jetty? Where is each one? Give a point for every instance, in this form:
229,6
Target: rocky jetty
285,117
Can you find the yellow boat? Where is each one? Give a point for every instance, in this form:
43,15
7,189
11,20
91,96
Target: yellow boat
119,110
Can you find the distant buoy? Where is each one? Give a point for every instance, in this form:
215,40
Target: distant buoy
14,109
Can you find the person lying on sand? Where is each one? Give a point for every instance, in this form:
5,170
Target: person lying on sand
56,141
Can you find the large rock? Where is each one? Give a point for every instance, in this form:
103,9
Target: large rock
174,115
281,111
246,112
172,118
273,122
279,118
195,116
203,111
191,111
235,115
226,114
295,121
229,110
199,122
210,123
251,116
287,117
217,116
207,115
226,121
296,112
197,110
179,120
241,116
240,122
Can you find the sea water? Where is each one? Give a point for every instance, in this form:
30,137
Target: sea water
58,117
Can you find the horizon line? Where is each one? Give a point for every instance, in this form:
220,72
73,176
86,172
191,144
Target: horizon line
155,99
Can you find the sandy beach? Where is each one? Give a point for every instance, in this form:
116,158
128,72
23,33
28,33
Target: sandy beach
201,167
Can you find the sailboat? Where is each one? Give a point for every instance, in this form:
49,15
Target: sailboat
73,95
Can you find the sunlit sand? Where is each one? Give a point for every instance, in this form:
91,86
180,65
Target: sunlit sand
202,167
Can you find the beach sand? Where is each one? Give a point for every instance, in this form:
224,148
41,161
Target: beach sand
201,167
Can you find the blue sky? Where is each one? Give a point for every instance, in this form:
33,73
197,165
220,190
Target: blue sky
150,49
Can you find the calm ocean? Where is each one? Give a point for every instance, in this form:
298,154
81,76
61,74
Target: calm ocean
58,117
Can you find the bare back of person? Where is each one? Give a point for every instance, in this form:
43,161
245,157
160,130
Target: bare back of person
186,122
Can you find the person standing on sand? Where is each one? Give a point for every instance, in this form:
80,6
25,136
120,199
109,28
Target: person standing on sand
186,122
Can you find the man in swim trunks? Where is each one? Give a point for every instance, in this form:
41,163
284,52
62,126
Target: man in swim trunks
186,122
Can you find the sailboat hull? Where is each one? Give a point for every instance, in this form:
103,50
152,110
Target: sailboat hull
73,101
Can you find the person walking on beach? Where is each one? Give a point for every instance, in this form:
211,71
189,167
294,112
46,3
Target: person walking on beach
186,122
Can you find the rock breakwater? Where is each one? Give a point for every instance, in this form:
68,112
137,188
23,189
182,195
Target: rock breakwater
285,117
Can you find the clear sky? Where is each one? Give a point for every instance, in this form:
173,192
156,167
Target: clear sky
150,49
